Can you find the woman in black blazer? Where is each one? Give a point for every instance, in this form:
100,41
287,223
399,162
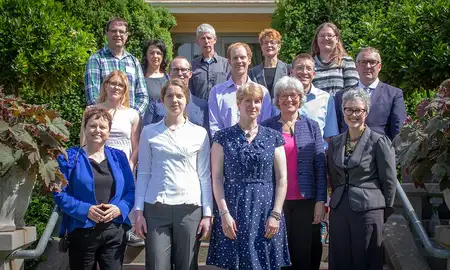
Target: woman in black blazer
361,165
272,69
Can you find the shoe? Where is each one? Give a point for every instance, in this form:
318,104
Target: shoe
134,240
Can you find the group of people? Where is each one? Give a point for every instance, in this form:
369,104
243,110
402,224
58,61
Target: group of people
175,153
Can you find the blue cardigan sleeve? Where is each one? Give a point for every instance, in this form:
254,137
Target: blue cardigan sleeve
320,173
69,204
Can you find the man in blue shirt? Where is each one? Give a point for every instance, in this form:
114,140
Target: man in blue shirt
197,108
319,106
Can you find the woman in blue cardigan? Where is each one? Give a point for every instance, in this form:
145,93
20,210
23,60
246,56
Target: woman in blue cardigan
306,170
98,198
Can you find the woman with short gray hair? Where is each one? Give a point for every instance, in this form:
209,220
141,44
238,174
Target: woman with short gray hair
306,171
361,166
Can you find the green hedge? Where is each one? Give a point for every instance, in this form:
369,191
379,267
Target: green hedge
413,37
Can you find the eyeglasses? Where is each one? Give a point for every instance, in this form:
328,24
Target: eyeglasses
271,42
304,67
372,63
182,70
119,31
285,97
117,85
350,111
327,36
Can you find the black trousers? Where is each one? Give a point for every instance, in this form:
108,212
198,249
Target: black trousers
304,243
104,245
355,238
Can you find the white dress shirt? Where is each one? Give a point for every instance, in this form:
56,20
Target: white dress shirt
370,87
174,166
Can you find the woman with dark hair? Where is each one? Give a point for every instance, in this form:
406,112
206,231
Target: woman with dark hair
154,65
174,198
335,70
98,198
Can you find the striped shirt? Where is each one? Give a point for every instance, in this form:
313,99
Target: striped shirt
102,63
333,78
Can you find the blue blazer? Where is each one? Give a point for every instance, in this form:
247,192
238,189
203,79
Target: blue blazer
387,110
197,110
256,74
79,195
311,167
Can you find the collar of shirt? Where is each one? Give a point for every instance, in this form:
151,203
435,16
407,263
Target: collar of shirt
312,93
230,82
210,60
372,86
108,52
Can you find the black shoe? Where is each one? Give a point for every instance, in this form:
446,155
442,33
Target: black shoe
134,240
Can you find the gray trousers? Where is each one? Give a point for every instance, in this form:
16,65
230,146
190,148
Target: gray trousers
172,236
355,238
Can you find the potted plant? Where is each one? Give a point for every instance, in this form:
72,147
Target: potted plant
423,145
31,138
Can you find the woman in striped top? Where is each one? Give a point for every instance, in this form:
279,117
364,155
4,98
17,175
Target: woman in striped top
335,70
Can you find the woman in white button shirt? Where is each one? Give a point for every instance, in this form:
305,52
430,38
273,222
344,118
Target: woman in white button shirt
173,192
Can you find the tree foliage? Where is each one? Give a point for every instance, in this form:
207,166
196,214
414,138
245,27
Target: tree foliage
42,47
413,36
144,21
414,41
297,21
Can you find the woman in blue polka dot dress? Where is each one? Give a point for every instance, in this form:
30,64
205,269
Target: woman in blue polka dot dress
249,229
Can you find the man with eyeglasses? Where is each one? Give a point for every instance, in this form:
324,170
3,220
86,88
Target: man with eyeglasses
197,108
319,106
114,57
387,109
209,68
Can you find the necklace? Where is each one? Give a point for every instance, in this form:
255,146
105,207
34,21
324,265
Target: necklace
350,144
248,133
291,131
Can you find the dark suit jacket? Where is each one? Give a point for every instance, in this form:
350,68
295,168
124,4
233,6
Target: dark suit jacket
197,110
387,110
370,173
311,169
256,74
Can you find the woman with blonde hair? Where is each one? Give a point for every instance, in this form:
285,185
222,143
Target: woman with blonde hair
114,97
248,166
173,200
335,70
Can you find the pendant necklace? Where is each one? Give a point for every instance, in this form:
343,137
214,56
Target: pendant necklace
291,131
248,133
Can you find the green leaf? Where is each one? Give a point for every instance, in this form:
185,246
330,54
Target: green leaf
58,126
23,138
47,170
7,158
3,126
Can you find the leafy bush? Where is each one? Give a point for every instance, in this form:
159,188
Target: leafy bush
144,21
41,47
297,21
414,41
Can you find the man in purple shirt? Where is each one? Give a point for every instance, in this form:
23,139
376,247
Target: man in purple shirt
223,110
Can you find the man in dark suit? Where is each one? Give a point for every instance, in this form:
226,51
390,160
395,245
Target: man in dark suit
387,111
197,109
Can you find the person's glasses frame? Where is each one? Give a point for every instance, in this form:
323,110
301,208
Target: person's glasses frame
183,70
292,96
116,85
372,63
357,112
118,31
327,36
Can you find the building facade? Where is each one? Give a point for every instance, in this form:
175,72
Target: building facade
234,20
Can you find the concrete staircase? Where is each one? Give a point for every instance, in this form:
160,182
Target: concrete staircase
135,258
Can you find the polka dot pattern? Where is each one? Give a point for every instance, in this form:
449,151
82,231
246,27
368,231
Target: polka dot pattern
249,192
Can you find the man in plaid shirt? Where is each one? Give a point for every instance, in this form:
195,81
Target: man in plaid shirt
114,57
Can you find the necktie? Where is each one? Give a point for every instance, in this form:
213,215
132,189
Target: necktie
368,90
